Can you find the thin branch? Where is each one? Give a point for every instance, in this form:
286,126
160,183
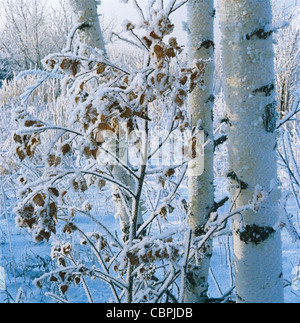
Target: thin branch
84,283
215,280
288,167
171,6
295,109
171,129
138,38
109,179
101,262
179,5
214,227
187,243
100,224
167,282
57,298
30,89
117,159
47,127
127,40
71,172
286,138
139,9
119,184
166,200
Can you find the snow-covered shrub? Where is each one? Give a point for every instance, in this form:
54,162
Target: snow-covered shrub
111,104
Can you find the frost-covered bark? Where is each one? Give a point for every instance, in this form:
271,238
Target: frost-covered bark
86,16
201,101
251,111
124,202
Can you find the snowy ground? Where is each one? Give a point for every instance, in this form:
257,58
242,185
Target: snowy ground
31,260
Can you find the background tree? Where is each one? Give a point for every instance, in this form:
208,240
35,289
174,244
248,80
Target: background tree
251,112
287,55
29,32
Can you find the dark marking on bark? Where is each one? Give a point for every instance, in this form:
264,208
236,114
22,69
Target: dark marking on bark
191,278
211,99
233,176
117,197
125,231
270,117
206,133
255,234
240,298
214,13
266,89
199,230
84,25
259,33
207,43
194,279
227,121
219,204
220,141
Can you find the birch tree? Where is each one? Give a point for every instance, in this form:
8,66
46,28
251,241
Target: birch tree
200,106
251,117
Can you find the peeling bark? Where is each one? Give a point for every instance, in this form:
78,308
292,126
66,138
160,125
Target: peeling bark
255,234
270,117
266,89
260,33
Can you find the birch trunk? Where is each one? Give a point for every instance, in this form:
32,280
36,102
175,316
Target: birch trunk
86,15
90,33
201,100
251,111
124,202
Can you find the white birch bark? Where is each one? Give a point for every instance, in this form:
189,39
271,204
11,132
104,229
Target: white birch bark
251,111
86,15
124,201
201,100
